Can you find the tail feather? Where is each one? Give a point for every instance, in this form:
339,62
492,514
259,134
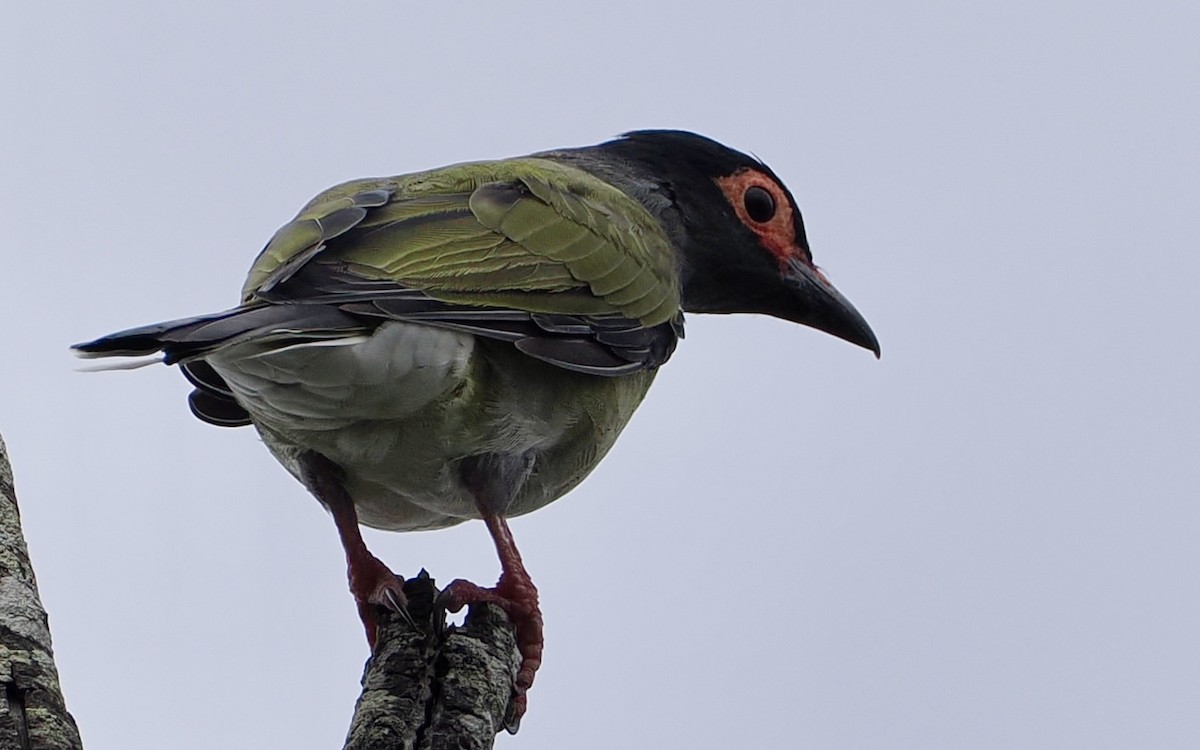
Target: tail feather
188,338
202,375
137,364
222,411
136,342
163,337
186,341
213,399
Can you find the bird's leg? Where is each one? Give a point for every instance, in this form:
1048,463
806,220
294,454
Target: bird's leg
517,596
371,582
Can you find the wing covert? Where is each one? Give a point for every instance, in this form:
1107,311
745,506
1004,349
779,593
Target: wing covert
497,249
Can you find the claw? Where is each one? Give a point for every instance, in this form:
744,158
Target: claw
512,716
397,604
374,585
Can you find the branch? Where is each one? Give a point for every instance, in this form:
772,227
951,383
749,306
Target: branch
437,687
33,715
428,688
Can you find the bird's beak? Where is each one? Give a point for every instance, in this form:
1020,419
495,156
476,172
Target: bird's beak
824,308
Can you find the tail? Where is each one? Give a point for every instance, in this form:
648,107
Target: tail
186,341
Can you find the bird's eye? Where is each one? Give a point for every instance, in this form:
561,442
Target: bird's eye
760,206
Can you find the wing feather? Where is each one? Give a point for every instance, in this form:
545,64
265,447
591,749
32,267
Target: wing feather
540,254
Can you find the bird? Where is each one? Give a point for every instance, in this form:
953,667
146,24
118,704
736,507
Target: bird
468,342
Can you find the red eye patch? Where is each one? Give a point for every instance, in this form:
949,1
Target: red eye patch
762,205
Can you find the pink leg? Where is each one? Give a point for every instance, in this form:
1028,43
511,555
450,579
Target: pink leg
518,597
371,582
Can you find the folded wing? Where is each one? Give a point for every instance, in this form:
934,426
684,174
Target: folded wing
561,265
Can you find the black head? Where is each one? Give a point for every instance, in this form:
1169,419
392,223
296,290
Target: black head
740,233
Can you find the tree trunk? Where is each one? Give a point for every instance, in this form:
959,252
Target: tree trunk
436,687
33,715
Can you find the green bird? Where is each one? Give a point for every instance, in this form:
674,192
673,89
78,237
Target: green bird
468,342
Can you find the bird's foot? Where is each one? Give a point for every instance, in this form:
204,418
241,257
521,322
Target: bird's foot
374,585
518,597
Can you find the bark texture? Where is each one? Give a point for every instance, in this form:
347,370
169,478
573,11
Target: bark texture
436,687
33,715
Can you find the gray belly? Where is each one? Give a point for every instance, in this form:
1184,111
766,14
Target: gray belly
401,409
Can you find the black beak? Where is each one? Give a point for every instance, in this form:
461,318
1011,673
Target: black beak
824,308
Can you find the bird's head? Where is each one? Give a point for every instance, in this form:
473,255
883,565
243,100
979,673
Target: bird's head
739,232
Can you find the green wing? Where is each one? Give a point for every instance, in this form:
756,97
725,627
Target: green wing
563,266
546,256
529,235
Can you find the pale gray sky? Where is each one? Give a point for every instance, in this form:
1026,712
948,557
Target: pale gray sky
988,539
